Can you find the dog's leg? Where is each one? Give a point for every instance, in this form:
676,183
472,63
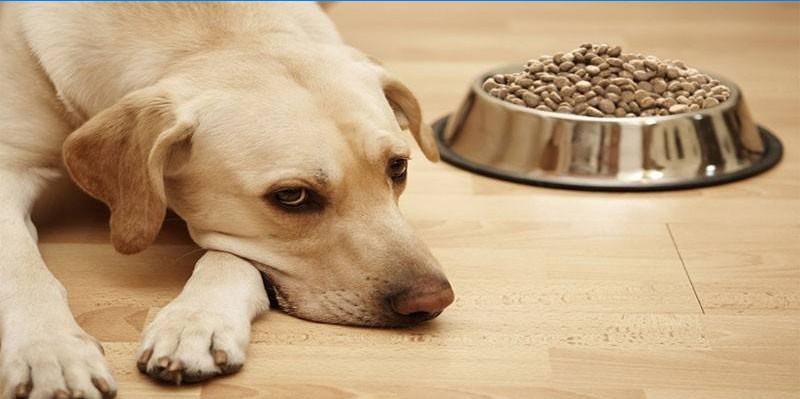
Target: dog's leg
205,331
43,351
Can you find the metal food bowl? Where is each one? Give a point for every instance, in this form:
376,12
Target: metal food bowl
512,142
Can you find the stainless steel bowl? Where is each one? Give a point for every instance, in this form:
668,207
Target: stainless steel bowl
512,142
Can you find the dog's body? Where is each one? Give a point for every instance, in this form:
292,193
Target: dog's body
278,144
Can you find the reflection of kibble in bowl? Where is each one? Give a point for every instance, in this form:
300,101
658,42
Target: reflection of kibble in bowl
602,81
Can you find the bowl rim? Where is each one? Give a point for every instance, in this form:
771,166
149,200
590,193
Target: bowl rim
477,88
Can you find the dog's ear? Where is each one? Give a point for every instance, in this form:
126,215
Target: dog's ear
409,116
119,157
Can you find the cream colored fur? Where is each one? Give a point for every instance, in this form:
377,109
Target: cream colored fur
206,109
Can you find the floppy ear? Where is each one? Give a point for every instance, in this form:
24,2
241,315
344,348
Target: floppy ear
118,157
409,116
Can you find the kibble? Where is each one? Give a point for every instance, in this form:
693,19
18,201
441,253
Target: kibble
607,106
583,86
599,80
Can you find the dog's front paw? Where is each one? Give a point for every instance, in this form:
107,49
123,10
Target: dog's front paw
188,344
53,362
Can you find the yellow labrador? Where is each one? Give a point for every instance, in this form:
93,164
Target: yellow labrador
278,144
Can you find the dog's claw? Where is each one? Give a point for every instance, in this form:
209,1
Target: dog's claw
23,391
175,371
77,394
61,394
163,362
176,365
103,387
220,357
221,360
141,364
100,347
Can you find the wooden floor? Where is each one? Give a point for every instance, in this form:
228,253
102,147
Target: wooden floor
692,294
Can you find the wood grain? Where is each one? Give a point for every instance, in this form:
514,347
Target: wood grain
689,294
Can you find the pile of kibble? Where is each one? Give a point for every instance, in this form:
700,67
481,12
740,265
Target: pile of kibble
602,81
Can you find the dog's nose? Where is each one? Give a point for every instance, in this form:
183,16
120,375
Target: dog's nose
426,296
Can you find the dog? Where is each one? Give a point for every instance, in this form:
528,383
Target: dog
280,146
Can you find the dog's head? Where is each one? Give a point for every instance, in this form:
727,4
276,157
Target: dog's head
294,165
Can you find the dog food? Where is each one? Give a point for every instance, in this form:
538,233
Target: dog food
602,81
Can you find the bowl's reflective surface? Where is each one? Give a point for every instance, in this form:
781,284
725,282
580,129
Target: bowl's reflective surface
531,146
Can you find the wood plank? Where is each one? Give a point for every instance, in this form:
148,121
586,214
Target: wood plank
550,205
680,369
742,268
721,394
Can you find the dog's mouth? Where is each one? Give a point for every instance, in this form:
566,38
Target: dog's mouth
272,292
276,298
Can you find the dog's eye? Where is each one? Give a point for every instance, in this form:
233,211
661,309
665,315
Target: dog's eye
292,197
398,168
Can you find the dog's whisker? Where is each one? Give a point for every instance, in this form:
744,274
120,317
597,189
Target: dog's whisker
194,251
